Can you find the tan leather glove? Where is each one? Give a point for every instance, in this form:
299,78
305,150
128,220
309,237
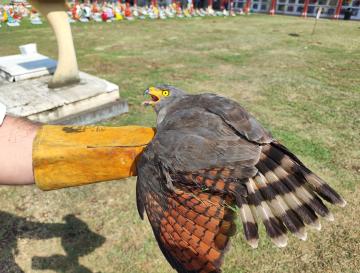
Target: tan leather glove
67,156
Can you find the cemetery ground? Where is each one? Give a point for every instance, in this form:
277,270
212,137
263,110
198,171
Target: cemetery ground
304,88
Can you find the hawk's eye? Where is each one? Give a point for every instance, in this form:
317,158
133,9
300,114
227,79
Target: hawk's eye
165,93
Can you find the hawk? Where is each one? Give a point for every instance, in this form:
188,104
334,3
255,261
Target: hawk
210,161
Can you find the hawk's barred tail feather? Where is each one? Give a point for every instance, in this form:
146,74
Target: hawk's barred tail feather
250,225
280,208
274,228
292,164
284,195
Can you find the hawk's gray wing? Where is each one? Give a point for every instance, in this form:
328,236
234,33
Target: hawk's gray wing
231,113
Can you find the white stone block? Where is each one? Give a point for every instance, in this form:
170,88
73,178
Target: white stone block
26,66
92,100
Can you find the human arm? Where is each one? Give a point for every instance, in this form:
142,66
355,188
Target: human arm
16,142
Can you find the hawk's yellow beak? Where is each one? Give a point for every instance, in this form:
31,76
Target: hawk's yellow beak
156,94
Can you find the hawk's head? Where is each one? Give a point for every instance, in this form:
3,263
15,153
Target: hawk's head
162,95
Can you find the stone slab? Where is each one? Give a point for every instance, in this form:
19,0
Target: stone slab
92,100
97,114
25,66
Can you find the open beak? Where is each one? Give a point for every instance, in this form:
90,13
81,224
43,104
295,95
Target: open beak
155,95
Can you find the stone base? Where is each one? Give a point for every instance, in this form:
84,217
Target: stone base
92,100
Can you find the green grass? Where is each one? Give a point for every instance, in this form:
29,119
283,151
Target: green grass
305,89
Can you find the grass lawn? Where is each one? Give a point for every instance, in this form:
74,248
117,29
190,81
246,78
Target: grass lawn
305,89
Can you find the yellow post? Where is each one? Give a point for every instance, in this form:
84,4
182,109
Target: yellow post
67,156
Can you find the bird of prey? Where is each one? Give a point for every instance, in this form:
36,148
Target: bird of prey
210,161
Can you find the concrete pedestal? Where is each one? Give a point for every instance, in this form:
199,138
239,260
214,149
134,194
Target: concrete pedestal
92,100
24,90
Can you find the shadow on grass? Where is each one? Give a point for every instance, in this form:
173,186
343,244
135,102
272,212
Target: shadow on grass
294,34
77,240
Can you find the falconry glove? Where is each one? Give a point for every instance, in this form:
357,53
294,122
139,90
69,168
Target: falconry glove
66,156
